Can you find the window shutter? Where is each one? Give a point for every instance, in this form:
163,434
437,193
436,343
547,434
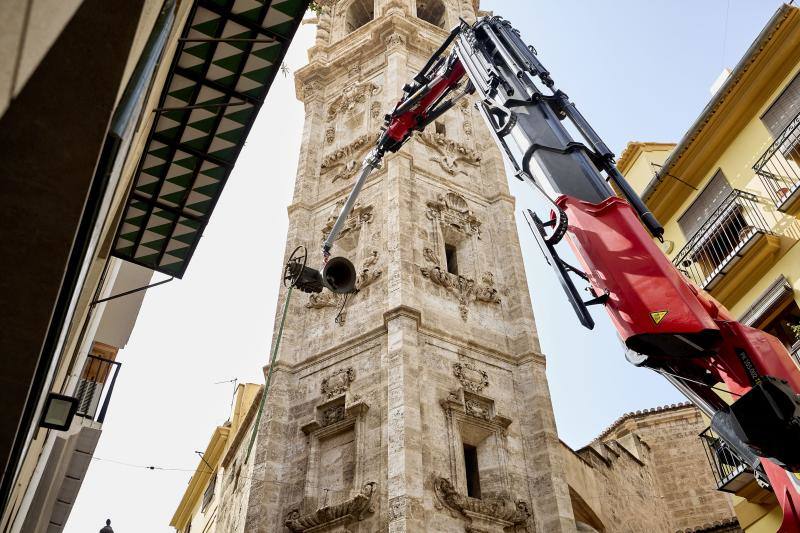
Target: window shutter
784,109
706,203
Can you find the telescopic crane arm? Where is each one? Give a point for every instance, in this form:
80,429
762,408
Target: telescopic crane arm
666,322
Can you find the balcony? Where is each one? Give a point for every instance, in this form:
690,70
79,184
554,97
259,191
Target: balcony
95,387
713,257
779,169
731,473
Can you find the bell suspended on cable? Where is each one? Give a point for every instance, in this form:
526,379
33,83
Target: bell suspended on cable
338,274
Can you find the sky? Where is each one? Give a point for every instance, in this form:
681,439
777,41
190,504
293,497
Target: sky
638,70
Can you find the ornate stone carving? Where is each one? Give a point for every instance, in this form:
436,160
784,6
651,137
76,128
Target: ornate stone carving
310,90
359,216
338,382
471,377
463,288
430,256
501,510
354,71
352,98
375,110
452,210
346,160
368,274
333,414
329,516
486,292
478,409
322,300
394,39
468,128
330,135
450,152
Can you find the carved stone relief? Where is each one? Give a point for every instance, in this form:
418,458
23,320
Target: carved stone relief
332,414
310,90
480,514
465,289
338,382
359,216
322,300
471,377
352,99
375,110
368,274
328,516
452,210
452,154
330,135
345,161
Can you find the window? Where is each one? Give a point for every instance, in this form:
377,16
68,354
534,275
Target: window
431,11
784,109
451,258
440,129
780,325
705,205
471,467
208,495
359,13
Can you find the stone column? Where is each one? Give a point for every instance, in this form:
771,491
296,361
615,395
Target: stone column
549,492
404,450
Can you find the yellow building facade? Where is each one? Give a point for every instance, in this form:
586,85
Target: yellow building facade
204,500
728,195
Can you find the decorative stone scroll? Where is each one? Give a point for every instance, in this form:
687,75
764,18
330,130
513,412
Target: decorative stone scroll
463,288
481,514
338,382
450,152
352,98
359,216
347,159
452,210
368,274
327,517
471,377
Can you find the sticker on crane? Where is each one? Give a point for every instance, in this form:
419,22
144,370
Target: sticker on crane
658,316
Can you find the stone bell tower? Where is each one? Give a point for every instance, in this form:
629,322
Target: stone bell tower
419,403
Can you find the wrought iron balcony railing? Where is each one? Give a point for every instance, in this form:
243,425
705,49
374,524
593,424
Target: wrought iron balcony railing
722,240
731,473
95,387
779,167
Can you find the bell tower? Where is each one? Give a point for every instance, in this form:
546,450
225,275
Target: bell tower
420,403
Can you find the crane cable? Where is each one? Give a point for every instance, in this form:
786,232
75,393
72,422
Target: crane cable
269,374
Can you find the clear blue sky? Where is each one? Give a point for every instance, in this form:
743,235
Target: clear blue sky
639,70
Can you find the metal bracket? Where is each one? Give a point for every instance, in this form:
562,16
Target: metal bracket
563,271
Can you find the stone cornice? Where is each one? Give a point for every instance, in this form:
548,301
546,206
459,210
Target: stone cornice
402,311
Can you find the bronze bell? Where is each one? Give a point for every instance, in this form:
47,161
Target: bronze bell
339,275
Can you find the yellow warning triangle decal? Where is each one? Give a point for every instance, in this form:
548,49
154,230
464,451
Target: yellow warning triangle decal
658,316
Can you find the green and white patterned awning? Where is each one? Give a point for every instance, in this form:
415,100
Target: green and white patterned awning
230,52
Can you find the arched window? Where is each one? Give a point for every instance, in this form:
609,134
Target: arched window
431,11
359,13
